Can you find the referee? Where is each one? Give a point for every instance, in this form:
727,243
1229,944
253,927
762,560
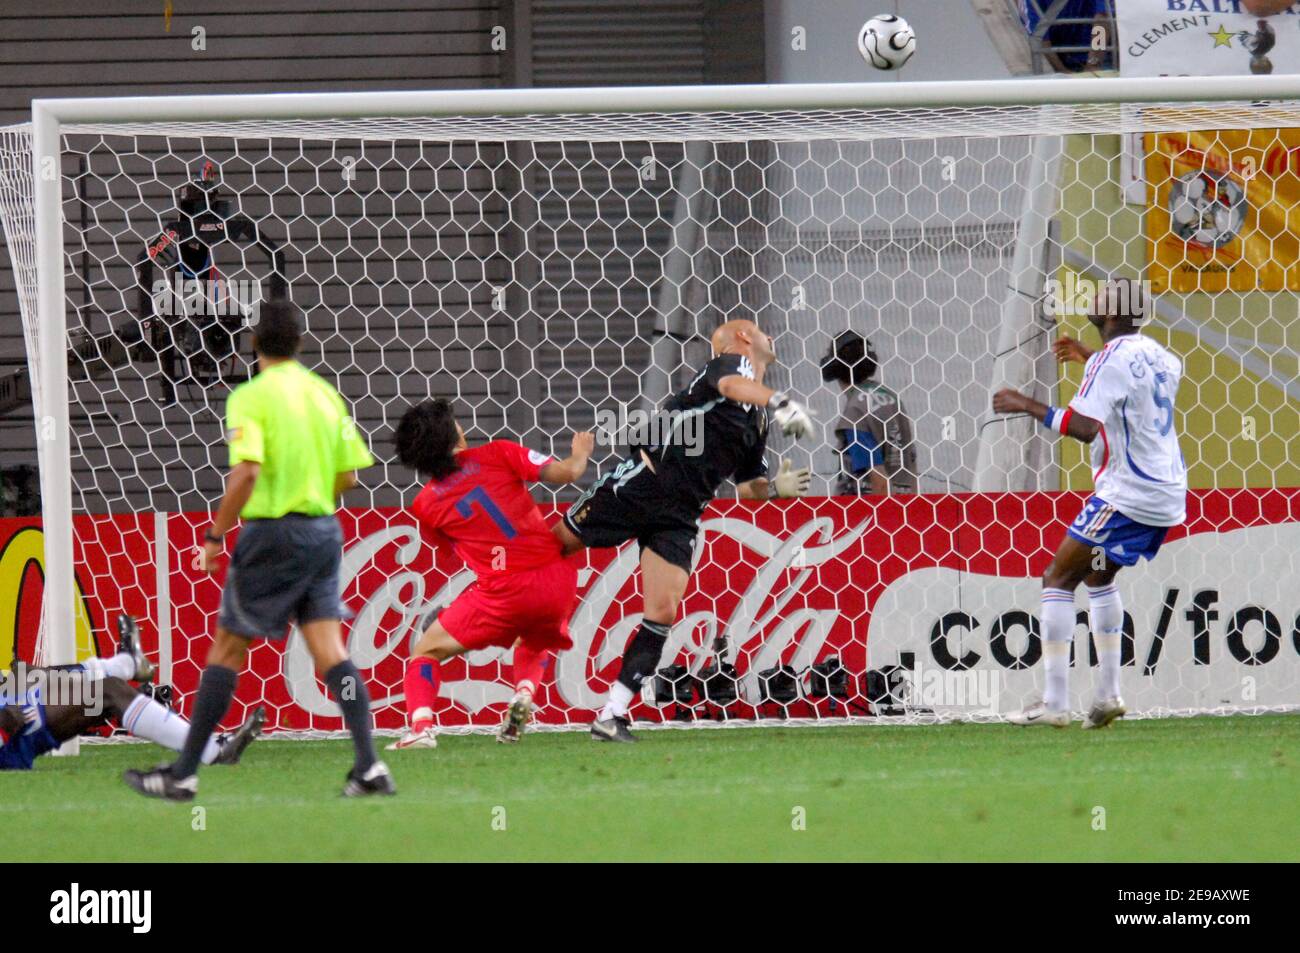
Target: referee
293,450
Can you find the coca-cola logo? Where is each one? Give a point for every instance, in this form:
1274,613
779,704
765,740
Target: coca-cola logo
756,617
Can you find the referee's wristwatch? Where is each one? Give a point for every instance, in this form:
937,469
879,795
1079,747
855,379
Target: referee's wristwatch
211,537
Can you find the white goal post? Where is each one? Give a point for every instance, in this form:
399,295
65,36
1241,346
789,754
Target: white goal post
876,152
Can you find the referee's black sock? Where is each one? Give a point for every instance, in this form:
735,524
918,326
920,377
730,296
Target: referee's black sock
345,684
216,689
643,653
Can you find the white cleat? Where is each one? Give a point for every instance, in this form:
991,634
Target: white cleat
1039,714
427,738
1104,711
521,708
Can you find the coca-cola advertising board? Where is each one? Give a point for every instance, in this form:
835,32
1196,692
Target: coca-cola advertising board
944,585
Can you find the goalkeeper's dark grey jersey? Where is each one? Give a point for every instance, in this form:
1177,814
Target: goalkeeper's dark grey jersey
875,432
712,439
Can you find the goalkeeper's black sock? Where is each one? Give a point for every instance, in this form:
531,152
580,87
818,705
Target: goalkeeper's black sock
639,661
216,689
643,653
345,684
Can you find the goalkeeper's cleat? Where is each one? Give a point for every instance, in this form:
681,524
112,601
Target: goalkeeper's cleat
376,780
424,738
613,729
1104,711
128,642
161,783
517,715
1039,714
236,743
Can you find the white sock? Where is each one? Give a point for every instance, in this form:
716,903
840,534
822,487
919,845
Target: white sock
146,718
119,666
1106,619
619,701
1058,631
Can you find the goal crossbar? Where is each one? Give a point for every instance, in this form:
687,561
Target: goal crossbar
686,99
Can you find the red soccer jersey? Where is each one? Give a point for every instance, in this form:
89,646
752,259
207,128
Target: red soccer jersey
485,512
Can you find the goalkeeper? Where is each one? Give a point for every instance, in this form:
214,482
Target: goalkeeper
657,495
293,450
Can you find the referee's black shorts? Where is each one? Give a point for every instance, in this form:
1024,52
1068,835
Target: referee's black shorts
629,503
282,570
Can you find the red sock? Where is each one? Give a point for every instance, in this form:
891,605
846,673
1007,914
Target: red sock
528,667
423,676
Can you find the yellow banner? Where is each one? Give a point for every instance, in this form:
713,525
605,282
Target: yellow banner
20,552
1224,211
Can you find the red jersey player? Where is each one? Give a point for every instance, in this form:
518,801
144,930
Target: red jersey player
477,502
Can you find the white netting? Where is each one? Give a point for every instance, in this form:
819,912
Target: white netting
545,269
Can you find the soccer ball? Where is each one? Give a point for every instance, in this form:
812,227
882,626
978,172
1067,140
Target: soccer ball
886,41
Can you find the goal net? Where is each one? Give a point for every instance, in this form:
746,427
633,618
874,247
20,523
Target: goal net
556,260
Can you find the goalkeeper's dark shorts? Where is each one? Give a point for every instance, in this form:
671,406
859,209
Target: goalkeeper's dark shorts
629,503
283,571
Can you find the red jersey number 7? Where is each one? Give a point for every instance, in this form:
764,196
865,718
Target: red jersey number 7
465,507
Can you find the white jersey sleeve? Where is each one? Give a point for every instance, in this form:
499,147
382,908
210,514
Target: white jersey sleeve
1104,385
1130,388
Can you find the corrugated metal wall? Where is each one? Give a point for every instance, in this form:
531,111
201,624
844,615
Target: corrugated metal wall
595,43
128,47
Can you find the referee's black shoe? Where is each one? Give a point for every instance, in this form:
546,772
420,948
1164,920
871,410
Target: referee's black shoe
613,729
376,780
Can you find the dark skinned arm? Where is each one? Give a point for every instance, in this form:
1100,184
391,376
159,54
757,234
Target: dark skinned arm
1013,402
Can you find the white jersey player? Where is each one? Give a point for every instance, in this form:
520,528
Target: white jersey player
1125,410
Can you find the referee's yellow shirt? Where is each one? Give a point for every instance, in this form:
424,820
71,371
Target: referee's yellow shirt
297,427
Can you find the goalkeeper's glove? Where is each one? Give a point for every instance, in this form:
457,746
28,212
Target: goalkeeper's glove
789,482
792,417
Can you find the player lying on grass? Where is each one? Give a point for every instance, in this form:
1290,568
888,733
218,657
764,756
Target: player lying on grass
40,708
477,503
657,494
1125,410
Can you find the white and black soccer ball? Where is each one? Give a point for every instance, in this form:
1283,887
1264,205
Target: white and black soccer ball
886,41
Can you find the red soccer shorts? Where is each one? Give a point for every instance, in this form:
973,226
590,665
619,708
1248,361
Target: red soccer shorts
533,605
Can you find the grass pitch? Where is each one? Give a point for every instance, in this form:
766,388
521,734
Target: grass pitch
1205,789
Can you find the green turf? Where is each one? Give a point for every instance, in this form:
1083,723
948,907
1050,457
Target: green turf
1199,789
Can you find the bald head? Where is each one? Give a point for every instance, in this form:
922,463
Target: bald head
727,335
743,337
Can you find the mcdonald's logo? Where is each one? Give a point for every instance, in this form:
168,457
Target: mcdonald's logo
22,576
